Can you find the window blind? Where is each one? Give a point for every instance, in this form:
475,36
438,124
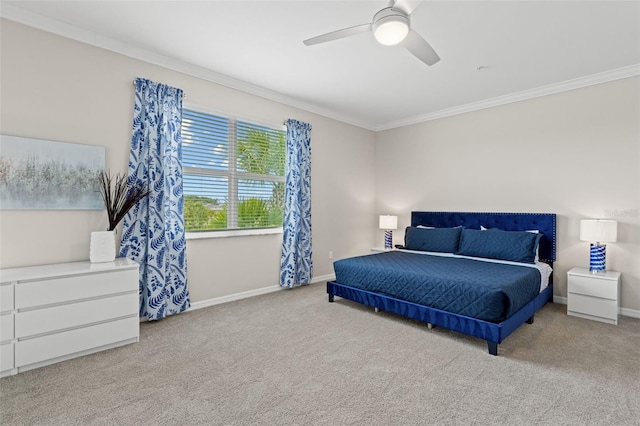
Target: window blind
233,173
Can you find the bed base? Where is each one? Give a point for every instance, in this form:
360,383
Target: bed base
493,333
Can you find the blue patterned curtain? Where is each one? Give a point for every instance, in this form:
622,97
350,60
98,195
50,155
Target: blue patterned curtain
296,267
153,231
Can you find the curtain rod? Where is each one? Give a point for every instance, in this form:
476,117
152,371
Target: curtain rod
184,95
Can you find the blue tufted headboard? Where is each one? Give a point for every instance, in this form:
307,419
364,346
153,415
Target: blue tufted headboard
544,222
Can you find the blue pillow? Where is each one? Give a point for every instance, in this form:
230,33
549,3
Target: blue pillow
444,240
536,249
515,246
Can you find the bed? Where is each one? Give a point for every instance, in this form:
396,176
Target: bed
481,274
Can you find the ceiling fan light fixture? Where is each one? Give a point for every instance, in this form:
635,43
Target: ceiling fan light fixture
390,26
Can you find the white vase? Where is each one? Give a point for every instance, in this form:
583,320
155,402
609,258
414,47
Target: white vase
102,247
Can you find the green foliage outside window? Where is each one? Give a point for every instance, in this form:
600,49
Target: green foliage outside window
203,213
260,154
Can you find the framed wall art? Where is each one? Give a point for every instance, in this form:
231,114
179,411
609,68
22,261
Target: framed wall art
38,174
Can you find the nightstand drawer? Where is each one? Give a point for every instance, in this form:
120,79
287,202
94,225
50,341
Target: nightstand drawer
606,289
593,306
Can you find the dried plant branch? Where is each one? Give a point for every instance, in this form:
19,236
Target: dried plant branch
118,197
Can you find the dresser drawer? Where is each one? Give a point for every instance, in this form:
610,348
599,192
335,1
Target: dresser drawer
593,306
6,298
6,356
47,292
61,317
49,347
606,289
6,327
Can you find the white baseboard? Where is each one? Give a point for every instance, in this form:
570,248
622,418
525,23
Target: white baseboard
330,277
560,300
251,293
232,297
633,313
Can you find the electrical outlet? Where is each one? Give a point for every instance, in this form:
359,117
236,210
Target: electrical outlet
330,254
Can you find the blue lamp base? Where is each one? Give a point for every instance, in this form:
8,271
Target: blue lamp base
598,257
388,239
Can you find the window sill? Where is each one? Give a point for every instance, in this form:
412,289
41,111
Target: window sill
198,235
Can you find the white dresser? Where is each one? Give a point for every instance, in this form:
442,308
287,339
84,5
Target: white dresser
593,296
50,313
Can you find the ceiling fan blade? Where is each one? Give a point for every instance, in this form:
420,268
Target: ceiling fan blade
420,48
334,35
407,5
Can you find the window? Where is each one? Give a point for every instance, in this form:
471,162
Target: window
233,173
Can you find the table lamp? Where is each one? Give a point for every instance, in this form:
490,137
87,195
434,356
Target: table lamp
388,223
598,231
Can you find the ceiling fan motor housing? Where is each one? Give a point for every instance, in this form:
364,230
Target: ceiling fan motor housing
390,26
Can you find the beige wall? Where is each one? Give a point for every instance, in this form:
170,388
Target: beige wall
576,154
59,89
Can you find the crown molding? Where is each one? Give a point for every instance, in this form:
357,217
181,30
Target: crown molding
590,80
53,26
34,20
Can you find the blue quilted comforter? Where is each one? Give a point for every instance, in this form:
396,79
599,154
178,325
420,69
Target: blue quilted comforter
474,288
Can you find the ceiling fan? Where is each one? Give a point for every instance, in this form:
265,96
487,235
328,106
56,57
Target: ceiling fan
390,26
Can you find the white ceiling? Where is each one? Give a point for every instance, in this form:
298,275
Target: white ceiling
523,48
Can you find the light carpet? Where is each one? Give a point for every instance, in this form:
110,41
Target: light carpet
292,358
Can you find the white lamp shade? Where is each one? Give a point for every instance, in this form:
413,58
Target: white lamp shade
388,222
599,230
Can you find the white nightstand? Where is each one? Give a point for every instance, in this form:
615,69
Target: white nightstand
593,296
380,249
